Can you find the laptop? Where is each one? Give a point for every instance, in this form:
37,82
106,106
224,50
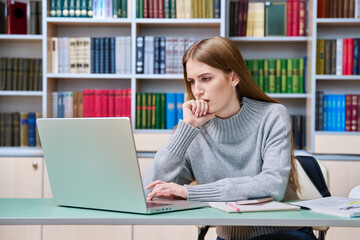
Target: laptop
92,163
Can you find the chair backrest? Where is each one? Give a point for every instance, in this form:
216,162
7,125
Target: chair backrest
307,188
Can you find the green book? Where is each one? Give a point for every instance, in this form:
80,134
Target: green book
115,8
2,129
266,76
301,75
138,110
52,8
148,110
20,77
72,8
255,71
15,74
31,74
261,74
58,10
65,8
124,8
278,76
283,75
26,74
163,110
143,111
272,84
167,8
275,19
77,8
289,75
9,74
157,111
90,8
320,56
295,75
3,74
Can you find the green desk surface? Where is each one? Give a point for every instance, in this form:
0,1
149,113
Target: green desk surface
18,211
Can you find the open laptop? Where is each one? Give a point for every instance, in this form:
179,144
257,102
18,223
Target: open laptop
92,163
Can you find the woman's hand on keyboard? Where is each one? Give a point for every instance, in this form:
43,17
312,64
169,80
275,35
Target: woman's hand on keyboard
166,190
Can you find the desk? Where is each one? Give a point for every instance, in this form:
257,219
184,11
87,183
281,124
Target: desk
39,211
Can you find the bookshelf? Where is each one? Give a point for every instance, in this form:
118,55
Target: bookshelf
250,47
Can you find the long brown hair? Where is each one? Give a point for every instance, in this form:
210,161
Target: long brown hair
221,53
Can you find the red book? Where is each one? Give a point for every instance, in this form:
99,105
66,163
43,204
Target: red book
117,101
349,55
161,9
240,17
354,113
128,103
123,103
146,8
88,103
105,103
16,17
151,8
97,103
156,8
289,19
345,58
302,19
111,103
322,8
348,113
295,17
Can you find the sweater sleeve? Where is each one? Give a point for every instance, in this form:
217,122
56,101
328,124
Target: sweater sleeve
273,178
169,163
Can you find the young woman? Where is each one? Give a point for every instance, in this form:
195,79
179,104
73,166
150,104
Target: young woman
234,140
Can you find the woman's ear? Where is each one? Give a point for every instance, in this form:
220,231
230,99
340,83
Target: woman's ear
234,80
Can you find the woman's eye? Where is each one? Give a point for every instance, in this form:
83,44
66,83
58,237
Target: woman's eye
191,82
206,79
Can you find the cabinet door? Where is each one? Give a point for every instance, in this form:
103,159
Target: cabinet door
21,178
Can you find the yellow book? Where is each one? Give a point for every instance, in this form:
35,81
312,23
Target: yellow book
38,115
24,130
259,19
73,55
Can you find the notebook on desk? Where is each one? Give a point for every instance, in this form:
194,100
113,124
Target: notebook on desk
92,163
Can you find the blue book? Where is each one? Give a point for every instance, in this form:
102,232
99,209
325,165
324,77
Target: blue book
102,55
92,55
170,110
343,111
179,103
97,55
356,57
326,113
156,55
332,110
216,8
162,55
107,55
32,129
112,55
338,112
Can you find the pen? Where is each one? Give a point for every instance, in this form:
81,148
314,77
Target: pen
232,206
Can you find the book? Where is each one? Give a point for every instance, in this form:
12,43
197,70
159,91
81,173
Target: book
233,207
16,17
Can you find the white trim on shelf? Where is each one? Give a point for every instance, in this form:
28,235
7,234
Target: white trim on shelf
160,76
338,21
88,76
270,39
337,133
337,77
288,95
86,21
21,37
21,152
212,22
21,93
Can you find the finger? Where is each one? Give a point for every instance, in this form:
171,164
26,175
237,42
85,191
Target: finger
153,184
206,108
193,107
202,103
198,108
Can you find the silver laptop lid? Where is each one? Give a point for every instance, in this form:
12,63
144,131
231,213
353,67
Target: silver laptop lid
92,163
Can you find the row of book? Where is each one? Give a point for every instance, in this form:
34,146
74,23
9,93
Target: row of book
337,112
279,75
92,103
338,56
298,123
91,55
161,55
258,19
20,74
158,110
335,8
18,129
14,17
178,9
90,8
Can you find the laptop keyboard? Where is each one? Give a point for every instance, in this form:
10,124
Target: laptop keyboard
154,204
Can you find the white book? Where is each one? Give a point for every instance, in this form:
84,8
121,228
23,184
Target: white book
79,55
187,8
95,4
176,53
108,9
68,104
60,55
181,52
54,104
180,9
169,55
54,55
86,54
73,60
339,56
260,207
118,55
149,55
123,55
66,54
128,59
129,9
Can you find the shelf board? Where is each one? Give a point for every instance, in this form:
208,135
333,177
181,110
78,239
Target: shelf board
21,93
86,21
21,152
178,22
160,76
338,21
288,95
269,39
338,133
338,77
88,76
21,37
337,143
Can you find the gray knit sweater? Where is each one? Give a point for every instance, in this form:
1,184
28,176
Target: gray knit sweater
245,156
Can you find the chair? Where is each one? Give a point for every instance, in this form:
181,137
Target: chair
313,180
